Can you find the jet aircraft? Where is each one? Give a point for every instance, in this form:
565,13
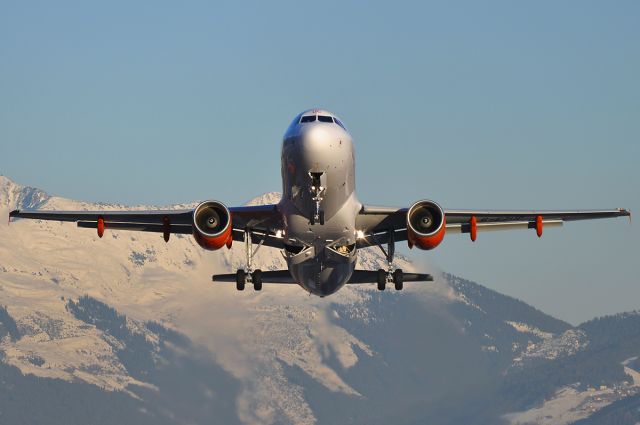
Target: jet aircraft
319,224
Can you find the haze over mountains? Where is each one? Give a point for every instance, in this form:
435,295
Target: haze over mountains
128,329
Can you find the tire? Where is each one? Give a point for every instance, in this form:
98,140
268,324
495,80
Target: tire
257,280
382,279
398,279
321,218
241,279
313,219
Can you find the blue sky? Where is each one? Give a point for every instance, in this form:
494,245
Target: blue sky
475,105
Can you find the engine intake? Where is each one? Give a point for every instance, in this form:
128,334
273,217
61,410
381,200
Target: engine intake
212,225
426,225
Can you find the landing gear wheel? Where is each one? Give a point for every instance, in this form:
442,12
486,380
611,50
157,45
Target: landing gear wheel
382,279
241,279
257,280
398,279
313,219
321,214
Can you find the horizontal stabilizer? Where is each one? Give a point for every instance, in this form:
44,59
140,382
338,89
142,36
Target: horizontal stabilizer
275,276
368,276
358,276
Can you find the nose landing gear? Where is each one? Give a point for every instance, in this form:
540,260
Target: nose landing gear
317,196
390,275
248,275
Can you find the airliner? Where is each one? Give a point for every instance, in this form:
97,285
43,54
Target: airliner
319,224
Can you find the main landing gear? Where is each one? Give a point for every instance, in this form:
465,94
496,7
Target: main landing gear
390,275
248,275
317,193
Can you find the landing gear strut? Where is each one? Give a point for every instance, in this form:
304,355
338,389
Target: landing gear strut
390,275
248,275
317,193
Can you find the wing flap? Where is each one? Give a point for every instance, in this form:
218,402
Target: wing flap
486,216
507,225
140,227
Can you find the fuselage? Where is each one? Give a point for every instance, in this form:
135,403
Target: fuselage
319,203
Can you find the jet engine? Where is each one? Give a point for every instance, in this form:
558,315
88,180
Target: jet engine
212,225
425,225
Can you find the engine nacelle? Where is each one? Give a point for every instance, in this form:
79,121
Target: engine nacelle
426,225
212,225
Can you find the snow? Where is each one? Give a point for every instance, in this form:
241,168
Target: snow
251,335
551,345
524,328
568,405
631,372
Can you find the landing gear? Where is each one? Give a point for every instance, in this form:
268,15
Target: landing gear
257,280
390,275
248,275
382,279
241,280
319,216
317,195
398,279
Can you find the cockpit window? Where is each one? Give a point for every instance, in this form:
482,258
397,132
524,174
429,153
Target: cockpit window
308,118
324,118
339,123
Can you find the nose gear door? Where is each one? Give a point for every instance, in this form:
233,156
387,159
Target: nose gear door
317,188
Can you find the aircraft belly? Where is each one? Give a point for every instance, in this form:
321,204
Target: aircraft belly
323,276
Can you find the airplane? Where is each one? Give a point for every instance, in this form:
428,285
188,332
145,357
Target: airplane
319,224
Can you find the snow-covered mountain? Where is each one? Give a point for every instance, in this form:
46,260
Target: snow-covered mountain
129,328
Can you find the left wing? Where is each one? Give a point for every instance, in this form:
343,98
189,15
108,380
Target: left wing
377,222
261,220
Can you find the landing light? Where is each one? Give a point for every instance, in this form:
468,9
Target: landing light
359,234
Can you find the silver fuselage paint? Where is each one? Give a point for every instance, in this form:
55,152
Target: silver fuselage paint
328,255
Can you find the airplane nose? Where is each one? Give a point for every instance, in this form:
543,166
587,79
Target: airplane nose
315,139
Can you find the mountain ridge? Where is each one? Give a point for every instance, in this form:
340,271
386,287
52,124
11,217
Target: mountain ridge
124,313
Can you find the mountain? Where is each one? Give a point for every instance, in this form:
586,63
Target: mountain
130,329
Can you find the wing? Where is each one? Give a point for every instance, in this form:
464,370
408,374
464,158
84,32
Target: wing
261,220
377,222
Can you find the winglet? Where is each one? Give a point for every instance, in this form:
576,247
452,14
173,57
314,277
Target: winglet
13,213
625,212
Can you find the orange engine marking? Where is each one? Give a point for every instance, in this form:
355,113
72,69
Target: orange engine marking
473,232
539,225
100,227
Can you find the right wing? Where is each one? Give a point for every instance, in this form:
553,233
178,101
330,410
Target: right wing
261,220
